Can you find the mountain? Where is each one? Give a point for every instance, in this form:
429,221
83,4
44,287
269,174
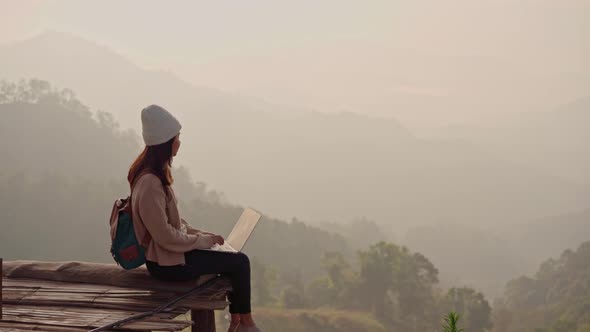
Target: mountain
49,213
554,299
490,256
547,237
316,166
64,170
107,80
555,141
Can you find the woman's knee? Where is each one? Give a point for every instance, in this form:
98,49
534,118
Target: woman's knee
243,258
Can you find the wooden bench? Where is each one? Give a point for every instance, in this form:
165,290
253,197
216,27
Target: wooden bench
79,296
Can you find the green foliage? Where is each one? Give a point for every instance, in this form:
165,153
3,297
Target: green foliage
563,326
556,298
316,320
322,293
335,266
335,289
360,231
35,91
379,267
81,168
292,297
67,166
452,323
393,283
264,278
398,285
472,306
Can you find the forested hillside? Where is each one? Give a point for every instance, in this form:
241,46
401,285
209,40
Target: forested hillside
330,170
67,165
465,250
555,299
64,166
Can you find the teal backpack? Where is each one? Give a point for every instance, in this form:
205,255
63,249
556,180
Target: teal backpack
126,250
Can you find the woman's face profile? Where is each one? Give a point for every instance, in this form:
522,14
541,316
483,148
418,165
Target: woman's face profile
176,144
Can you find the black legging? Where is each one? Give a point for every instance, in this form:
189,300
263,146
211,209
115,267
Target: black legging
199,262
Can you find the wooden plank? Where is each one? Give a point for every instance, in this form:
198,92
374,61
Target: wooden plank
87,318
18,327
42,292
204,320
219,287
95,273
75,296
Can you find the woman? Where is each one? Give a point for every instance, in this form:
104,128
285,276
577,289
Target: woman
173,251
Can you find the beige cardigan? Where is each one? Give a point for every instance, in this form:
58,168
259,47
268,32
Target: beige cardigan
171,235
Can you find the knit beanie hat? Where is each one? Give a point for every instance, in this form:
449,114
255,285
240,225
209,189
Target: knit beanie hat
158,125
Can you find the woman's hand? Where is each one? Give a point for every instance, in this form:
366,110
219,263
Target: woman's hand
217,239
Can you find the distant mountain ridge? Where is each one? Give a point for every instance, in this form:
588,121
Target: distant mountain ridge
307,164
70,61
555,141
471,254
64,170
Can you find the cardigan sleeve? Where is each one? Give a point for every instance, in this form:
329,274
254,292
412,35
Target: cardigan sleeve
152,211
191,230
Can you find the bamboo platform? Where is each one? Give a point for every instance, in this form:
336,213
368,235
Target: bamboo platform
79,296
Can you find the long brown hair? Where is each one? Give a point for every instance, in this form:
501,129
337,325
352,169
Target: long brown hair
155,158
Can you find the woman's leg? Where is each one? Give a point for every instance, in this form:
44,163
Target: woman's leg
169,273
234,265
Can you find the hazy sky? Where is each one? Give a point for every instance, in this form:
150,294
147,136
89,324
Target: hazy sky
425,62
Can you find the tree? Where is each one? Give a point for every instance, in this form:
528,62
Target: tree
35,91
452,323
7,92
335,266
472,306
292,298
397,286
378,276
335,288
563,326
263,279
417,276
557,296
293,295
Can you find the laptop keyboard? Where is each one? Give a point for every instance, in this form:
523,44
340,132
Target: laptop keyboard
224,247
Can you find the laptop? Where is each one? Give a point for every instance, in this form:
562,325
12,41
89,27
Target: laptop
240,233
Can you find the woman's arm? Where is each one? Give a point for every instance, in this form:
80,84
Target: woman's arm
191,230
152,211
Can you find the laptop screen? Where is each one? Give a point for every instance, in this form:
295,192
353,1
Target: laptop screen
243,228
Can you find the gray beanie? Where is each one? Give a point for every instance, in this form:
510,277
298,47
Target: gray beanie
158,125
